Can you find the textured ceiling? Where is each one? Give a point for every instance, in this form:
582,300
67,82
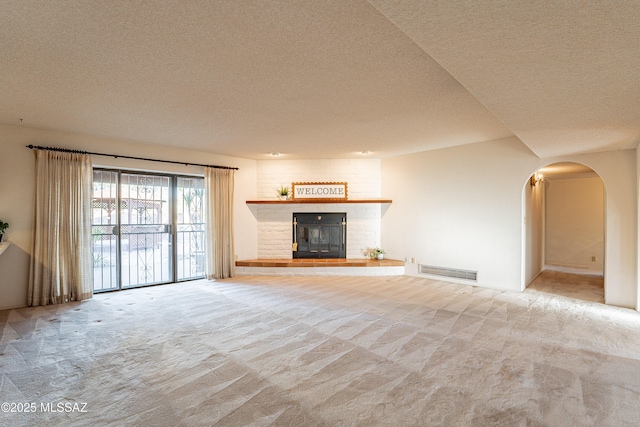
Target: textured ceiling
562,76
321,79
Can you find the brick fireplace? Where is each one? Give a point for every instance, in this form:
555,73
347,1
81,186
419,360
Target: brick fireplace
275,247
275,223
363,209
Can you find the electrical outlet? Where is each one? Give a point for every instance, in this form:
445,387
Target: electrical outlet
594,258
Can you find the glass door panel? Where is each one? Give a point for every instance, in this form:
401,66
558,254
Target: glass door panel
104,223
145,233
190,228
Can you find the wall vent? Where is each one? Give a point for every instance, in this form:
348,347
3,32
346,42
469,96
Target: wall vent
449,272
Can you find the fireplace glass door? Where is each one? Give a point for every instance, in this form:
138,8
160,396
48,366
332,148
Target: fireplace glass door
319,235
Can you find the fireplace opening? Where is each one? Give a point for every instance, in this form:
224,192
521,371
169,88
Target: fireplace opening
319,235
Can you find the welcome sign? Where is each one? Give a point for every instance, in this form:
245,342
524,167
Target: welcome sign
319,190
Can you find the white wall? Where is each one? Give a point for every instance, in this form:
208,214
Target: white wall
17,181
638,223
618,171
462,207
533,230
574,223
362,175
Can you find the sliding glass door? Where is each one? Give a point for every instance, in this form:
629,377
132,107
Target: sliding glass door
136,219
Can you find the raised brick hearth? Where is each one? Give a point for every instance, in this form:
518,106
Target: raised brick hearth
320,267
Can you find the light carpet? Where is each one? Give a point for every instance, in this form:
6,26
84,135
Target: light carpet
334,351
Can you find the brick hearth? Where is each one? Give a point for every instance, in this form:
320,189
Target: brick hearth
320,267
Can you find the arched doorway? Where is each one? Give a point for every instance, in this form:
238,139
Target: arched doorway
564,232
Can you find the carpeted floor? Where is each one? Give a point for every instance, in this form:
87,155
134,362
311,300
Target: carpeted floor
334,351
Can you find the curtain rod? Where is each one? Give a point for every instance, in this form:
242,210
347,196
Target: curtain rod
67,150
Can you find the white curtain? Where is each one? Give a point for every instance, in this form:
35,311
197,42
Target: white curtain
220,257
61,261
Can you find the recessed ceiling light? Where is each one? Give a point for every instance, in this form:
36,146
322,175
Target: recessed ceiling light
275,154
366,152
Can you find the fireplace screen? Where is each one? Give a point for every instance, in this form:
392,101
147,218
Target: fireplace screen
319,235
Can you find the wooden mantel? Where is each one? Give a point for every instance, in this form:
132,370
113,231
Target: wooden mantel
315,201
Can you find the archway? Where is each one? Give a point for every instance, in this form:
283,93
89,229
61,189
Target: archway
564,228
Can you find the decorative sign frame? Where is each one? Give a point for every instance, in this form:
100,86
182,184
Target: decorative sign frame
319,190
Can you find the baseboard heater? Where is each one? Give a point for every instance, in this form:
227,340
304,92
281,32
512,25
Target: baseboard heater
449,272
